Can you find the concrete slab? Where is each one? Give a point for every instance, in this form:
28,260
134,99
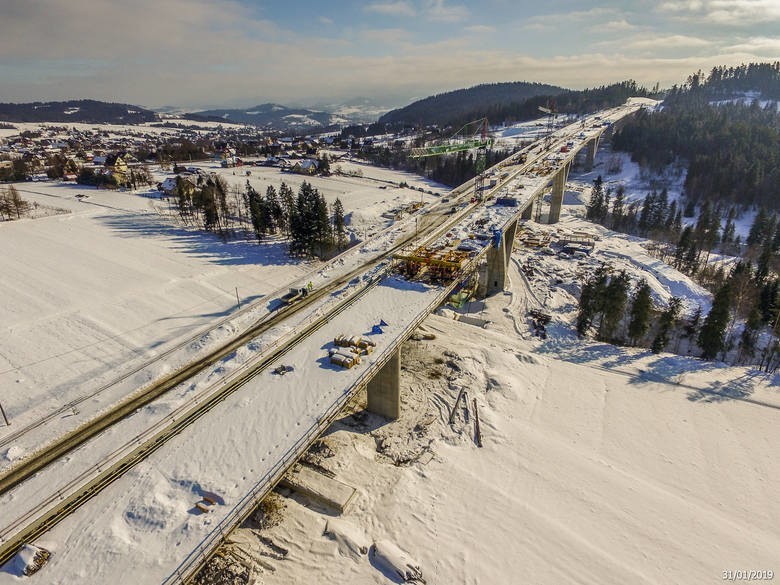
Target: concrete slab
321,488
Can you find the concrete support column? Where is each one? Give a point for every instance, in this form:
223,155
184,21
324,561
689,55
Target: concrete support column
509,243
559,186
498,259
528,212
590,155
384,389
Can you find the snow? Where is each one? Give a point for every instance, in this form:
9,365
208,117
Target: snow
600,464
592,470
117,284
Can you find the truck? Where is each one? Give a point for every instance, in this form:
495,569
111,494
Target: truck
294,295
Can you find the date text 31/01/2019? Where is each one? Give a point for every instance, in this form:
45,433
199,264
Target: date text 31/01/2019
748,575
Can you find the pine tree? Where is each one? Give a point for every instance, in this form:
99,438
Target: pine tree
762,264
747,342
729,229
274,213
287,202
339,230
646,215
323,164
670,215
595,208
768,300
591,300
712,334
324,230
683,247
660,209
614,305
254,204
758,228
677,225
641,309
668,317
618,208
690,208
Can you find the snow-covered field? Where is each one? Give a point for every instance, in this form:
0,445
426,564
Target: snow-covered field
91,294
602,465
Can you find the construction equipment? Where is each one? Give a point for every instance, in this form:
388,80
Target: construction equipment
356,342
430,264
295,294
343,357
552,111
472,136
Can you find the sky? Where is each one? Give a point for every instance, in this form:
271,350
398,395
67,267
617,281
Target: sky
209,53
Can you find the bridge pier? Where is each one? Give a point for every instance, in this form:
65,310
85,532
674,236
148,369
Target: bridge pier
528,212
590,155
559,186
498,259
384,389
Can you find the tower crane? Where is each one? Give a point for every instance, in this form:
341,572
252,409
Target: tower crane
551,110
472,136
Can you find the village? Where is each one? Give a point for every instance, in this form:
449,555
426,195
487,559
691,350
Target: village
117,157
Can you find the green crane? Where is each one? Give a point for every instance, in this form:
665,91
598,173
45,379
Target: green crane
473,136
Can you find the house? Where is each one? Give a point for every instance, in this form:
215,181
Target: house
306,166
188,185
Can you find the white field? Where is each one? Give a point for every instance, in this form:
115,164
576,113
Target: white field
90,295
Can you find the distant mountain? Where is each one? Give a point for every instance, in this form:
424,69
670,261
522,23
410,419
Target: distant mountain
88,111
358,110
444,108
269,115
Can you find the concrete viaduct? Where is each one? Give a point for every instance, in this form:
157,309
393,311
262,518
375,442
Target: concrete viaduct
383,389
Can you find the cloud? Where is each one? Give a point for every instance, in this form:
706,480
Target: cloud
480,29
768,46
390,36
556,19
656,41
439,10
723,12
326,20
613,26
399,8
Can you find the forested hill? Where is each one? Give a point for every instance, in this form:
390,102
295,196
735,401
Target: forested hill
583,101
757,79
89,111
509,103
732,150
447,108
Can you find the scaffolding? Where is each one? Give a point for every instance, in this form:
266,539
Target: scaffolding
432,264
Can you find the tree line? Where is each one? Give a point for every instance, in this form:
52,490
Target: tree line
451,170
685,235
746,307
616,312
313,228
731,150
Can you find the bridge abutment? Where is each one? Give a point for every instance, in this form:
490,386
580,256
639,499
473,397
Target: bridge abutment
384,389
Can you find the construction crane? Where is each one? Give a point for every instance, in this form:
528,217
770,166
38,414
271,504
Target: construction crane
473,136
551,111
